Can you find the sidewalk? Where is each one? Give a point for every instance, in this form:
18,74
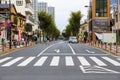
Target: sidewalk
113,49
7,50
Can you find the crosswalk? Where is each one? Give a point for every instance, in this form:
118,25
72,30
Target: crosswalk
58,61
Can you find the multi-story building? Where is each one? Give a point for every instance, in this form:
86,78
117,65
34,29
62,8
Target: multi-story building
117,22
51,11
100,17
42,6
24,13
35,9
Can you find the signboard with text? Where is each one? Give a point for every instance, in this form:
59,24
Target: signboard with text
101,25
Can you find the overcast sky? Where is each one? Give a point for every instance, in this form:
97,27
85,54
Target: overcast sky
63,9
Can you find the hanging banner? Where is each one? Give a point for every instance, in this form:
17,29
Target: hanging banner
19,35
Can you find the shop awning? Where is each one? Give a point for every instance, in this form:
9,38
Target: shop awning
99,36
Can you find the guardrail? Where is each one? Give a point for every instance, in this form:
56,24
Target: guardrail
113,48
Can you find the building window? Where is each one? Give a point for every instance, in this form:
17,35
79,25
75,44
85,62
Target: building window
101,8
5,2
116,18
19,2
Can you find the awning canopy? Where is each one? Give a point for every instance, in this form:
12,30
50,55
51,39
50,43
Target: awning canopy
99,36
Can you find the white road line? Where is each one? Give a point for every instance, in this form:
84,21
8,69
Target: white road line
112,61
12,62
98,61
83,61
71,49
55,61
69,61
26,62
90,51
5,59
68,54
47,48
41,61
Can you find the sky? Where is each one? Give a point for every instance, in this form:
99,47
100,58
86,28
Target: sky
63,9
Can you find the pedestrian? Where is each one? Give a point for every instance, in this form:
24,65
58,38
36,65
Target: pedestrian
26,41
3,43
35,39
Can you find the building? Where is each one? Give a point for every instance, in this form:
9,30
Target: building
42,6
17,20
51,11
117,22
99,17
35,9
24,14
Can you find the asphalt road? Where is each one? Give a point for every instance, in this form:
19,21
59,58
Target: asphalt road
59,61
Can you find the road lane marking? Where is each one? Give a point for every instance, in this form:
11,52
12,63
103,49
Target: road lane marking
90,51
26,62
5,59
72,49
69,61
83,61
96,69
12,62
111,61
55,61
47,48
57,50
41,61
68,54
98,61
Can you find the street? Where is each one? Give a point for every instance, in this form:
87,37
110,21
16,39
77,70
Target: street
59,60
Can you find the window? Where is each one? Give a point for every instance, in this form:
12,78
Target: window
101,8
19,2
0,1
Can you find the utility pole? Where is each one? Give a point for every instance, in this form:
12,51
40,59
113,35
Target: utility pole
10,42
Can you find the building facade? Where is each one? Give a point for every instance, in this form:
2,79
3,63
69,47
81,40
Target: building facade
100,18
42,6
117,22
51,11
35,9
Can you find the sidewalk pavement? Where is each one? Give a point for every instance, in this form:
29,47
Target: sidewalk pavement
113,49
7,50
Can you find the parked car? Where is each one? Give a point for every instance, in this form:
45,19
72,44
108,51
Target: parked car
73,39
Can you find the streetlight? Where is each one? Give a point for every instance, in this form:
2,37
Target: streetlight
90,22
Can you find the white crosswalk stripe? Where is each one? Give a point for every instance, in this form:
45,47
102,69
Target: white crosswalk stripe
98,61
83,61
26,62
69,61
5,59
55,61
111,61
12,62
41,61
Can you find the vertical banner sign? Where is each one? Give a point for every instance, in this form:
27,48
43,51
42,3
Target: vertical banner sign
19,35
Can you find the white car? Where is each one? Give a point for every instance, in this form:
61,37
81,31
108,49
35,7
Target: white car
73,39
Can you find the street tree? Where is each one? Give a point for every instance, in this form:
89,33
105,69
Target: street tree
74,22
47,24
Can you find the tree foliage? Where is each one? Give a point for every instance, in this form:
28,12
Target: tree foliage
47,24
72,29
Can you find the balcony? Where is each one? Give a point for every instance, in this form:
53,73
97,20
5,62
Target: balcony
29,9
28,1
30,20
